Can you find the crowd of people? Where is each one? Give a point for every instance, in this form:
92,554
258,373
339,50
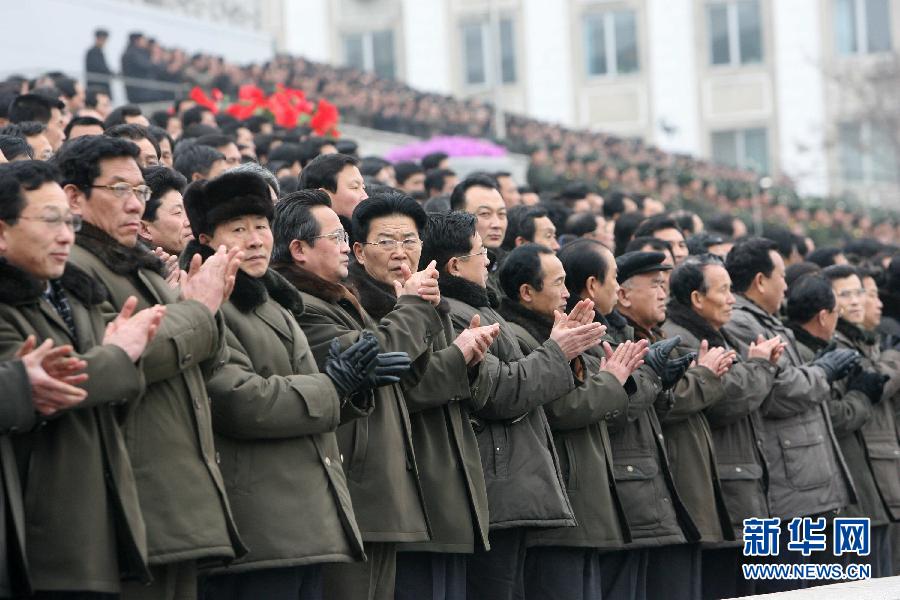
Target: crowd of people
243,362
567,156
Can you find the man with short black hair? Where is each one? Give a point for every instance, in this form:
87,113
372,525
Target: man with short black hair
128,113
338,176
98,72
141,136
509,190
410,177
479,195
44,110
197,162
80,126
436,160
807,477
530,224
565,563
168,429
665,228
439,182
224,144
97,104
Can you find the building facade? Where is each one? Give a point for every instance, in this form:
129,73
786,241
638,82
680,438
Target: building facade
768,85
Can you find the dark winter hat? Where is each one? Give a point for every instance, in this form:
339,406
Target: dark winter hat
636,263
228,196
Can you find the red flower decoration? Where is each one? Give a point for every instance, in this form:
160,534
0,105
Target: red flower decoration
325,121
200,97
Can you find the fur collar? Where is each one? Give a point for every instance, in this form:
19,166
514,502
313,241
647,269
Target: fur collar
806,338
307,281
464,290
18,287
687,317
537,325
377,298
251,292
119,259
653,335
857,334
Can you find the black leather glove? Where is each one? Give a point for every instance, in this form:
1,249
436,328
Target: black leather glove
658,354
837,363
869,383
389,367
675,369
826,349
351,369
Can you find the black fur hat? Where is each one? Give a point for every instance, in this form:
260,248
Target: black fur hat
230,195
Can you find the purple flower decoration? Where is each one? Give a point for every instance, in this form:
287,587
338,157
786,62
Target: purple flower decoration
452,145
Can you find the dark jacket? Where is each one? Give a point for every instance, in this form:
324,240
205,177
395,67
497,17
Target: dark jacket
96,69
807,472
16,414
730,426
445,445
274,416
168,429
579,424
655,512
879,433
83,526
521,469
377,451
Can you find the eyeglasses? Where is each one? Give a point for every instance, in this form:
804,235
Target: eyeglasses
339,236
482,252
391,245
124,190
848,294
73,222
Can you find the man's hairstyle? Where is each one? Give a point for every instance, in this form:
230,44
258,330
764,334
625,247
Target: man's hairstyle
520,221
700,243
685,221
795,271
624,229
435,179
159,134
14,146
835,272
215,140
582,259
161,180
656,245
90,96
656,223
117,116
322,171
406,169
18,177
579,224
783,239
385,204
447,235
32,107
7,95
690,276
196,159
807,297
311,148
101,33
285,155
369,166
133,132
82,122
193,115
294,220
614,204
433,160
66,85
458,197
258,169
824,257
79,159
522,265
721,223
748,257
24,129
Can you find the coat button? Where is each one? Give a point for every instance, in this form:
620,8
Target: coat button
218,459
738,469
660,436
607,415
616,413
327,461
342,458
629,468
787,442
187,358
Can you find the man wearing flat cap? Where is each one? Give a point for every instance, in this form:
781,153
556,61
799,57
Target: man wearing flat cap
642,297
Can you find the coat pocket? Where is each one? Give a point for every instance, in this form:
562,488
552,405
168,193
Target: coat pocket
568,462
806,456
884,456
636,485
738,471
356,466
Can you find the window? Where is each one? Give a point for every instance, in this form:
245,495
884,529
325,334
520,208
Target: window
742,148
371,51
735,32
610,43
477,52
862,26
866,153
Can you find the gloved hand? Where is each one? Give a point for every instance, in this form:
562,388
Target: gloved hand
870,383
351,369
837,363
389,367
675,369
658,354
826,349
